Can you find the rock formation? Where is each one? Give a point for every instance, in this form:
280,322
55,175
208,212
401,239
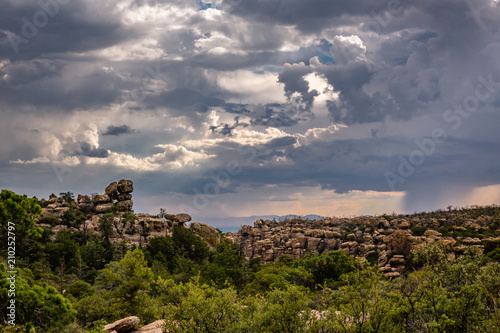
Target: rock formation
207,232
154,327
124,325
384,240
134,228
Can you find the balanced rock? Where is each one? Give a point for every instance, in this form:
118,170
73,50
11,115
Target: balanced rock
125,186
101,199
123,325
112,190
181,218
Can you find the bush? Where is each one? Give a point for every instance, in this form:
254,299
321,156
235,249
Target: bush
38,305
203,309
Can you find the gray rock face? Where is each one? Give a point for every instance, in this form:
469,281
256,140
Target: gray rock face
124,325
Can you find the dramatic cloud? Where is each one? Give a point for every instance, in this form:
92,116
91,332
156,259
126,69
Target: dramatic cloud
234,107
118,130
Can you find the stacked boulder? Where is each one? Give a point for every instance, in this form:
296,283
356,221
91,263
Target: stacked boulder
118,193
84,203
103,203
125,188
121,192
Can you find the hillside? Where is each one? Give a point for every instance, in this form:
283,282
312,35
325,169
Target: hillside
94,265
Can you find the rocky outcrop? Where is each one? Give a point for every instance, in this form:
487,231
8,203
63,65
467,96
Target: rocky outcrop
155,327
55,209
124,325
134,228
125,205
103,208
207,232
384,240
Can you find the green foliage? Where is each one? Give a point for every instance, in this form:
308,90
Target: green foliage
275,276
328,267
363,304
106,226
226,266
160,249
21,212
187,244
128,283
79,289
50,220
203,309
38,305
106,230
283,310
73,218
67,196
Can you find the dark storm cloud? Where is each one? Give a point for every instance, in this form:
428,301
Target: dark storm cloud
118,130
43,88
307,16
292,76
58,27
89,151
184,99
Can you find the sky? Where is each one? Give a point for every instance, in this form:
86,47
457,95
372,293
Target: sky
237,108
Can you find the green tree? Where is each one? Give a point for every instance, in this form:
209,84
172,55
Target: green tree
225,266
160,249
203,309
285,311
129,282
106,230
364,304
17,216
69,197
329,267
187,244
73,218
38,305
278,276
